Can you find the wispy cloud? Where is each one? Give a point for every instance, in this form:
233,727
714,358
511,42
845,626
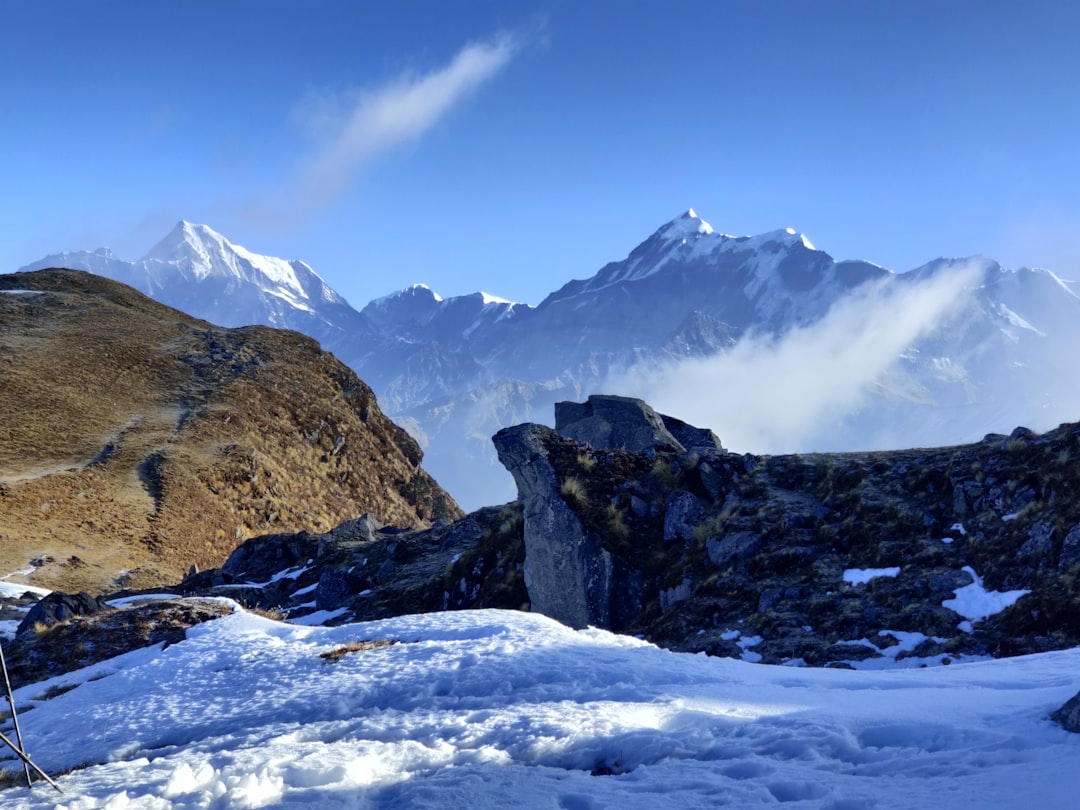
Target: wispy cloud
778,394
355,129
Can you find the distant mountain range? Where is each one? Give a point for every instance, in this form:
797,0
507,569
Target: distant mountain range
455,370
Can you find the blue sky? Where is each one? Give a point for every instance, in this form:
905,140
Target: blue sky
511,147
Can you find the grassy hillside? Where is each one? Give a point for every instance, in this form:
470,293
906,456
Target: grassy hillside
136,441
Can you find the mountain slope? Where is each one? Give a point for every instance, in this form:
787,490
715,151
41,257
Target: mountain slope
137,440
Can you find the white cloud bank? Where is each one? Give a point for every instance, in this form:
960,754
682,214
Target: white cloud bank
365,125
773,394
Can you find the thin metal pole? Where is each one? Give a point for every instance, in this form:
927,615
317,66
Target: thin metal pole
14,715
27,761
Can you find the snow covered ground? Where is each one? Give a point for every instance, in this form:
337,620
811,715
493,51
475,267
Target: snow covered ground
501,709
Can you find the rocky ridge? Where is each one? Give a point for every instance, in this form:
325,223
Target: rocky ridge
824,559
855,559
137,441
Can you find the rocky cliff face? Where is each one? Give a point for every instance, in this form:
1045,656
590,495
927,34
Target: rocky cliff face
137,441
911,557
906,558
825,559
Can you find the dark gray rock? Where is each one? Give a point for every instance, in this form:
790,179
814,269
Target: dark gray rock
613,423
676,594
58,607
363,529
960,506
568,573
723,550
259,558
336,588
1069,714
682,516
1070,549
1040,541
717,482
1023,434
690,437
944,584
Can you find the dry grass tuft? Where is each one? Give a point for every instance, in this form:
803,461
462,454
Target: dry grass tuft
356,646
573,490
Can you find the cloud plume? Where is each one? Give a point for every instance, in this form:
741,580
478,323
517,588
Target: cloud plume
772,394
402,110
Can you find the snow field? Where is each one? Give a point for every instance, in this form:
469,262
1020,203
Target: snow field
502,709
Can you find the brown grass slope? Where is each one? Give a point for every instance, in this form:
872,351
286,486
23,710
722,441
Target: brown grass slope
136,440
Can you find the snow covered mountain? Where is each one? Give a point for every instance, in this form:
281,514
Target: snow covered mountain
994,355
871,358
199,271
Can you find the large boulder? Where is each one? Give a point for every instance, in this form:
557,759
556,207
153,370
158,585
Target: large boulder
614,423
56,608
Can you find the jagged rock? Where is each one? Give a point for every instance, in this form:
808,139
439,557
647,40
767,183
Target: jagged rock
723,550
717,482
567,572
780,531
260,558
1039,543
336,588
945,583
679,593
58,607
363,529
612,423
1070,549
1069,714
960,507
690,437
682,516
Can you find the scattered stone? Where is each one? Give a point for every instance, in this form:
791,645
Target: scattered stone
1068,716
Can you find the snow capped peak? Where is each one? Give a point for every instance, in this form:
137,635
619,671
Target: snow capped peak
785,237
188,240
494,299
417,287
414,292
204,253
687,225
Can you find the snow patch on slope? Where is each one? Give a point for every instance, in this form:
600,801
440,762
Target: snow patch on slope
469,708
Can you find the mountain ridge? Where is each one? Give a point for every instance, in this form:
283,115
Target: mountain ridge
457,369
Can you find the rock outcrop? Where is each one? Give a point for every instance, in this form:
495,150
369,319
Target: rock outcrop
817,559
606,422
909,558
568,573
58,607
79,641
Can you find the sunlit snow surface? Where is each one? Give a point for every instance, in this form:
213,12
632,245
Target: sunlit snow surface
501,709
